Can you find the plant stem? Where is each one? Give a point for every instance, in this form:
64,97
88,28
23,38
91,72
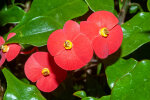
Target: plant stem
30,51
136,4
1,91
27,6
123,11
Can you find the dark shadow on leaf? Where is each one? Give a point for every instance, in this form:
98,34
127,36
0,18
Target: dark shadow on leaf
141,53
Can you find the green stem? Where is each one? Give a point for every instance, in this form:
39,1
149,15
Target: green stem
136,4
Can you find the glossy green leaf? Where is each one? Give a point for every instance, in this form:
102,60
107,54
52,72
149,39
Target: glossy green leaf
11,15
119,69
80,94
89,98
44,17
133,9
135,85
136,32
148,4
18,90
97,5
105,98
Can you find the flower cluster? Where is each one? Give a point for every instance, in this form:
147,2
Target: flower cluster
72,46
69,48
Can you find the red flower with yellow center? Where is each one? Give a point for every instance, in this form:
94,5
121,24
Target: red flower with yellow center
71,49
41,68
104,32
8,51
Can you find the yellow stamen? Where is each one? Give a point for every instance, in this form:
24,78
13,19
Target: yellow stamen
104,32
5,48
68,44
45,72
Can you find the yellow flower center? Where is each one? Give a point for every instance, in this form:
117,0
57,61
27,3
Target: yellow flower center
5,48
68,44
45,72
104,32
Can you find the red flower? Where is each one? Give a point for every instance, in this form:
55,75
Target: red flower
8,51
40,68
104,32
71,49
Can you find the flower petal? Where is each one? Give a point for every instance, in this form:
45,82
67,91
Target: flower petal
103,19
83,48
10,35
32,67
68,60
56,41
47,84
90,29
58,73
14,50
115,39
100,47
2,60
71,29
2,41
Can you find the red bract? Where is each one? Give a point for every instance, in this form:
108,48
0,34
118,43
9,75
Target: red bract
104,32
8,51
41,68
71,49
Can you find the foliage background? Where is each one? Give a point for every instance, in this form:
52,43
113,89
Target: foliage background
122,76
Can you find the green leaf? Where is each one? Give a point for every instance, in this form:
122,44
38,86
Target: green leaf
89,98
119,69
148,4
133,9
80,94
25,81
11,15
135,85
17,90
136,32
44,17
99,68
105,98
97,5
